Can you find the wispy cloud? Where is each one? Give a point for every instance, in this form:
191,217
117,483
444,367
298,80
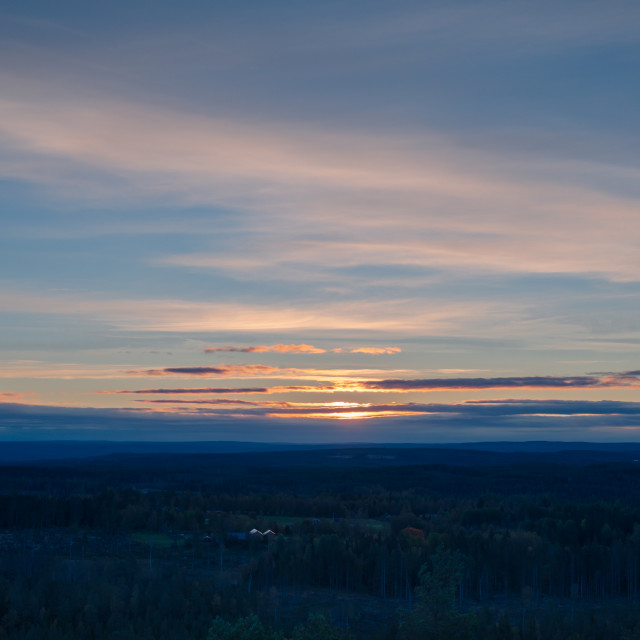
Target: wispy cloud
303,348
374,351
481,204
239,370
216,402
19,397
187,390
357,382
497,27
277,348
176,315
499,409
8,395
346,376
317,388
39,369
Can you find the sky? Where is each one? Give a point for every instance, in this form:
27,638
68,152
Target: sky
320,222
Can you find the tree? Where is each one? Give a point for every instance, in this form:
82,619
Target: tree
318,627
435,616
247,628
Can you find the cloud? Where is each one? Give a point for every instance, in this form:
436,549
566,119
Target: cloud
349,383
241,370
547,407
216,402
278,348
468,422
186,390
176,315
302,348
455,206
346,378
465,410
22,397
482,409
370,350
318,388
40,369
525,382
630,375
492,28
207,156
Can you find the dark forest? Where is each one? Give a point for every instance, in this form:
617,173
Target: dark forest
322,544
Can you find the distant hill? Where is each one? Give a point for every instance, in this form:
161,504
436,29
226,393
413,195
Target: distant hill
256,454
69,449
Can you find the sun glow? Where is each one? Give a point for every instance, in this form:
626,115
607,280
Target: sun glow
346,415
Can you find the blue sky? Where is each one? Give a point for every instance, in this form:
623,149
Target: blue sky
314,199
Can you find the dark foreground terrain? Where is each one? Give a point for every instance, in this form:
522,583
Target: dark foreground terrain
519,542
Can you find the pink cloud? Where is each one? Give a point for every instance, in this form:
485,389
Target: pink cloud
19,397
375,351
278,348
221,402
302,348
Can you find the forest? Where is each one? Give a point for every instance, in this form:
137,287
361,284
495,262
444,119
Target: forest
327,544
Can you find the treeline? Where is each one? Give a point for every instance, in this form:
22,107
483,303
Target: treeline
601,561
56,598
83,559
556,548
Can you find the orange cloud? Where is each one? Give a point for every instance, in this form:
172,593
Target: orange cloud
19,398
284,409
347,410
220,402
370,350
301,348
346,414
